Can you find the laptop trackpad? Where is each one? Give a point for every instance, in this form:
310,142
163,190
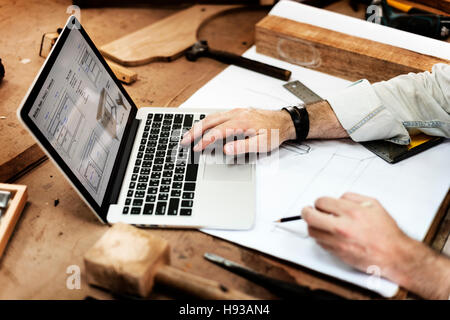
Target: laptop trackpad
227,172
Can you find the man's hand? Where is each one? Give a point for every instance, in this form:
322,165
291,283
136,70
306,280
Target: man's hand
359,231
258,126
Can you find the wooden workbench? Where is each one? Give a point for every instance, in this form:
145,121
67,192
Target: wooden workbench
48,238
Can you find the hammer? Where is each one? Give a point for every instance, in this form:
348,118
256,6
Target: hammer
128,261
201,49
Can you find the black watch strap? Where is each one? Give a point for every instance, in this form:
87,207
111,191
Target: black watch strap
300,118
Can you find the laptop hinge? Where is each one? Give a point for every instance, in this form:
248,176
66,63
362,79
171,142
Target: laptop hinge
118,179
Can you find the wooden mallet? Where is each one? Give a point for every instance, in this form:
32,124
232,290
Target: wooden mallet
128,260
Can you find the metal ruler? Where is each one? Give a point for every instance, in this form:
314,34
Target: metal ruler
302,92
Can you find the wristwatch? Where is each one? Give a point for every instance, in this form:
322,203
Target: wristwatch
300,118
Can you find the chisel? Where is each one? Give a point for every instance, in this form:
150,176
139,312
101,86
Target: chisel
283,289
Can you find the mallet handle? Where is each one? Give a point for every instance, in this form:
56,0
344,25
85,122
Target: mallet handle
196,285
231,58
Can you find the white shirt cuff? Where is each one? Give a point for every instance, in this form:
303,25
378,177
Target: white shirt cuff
362,114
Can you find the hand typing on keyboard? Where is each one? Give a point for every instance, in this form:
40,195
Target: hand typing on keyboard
262,130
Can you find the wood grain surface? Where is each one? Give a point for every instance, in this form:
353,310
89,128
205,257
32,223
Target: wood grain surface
336,53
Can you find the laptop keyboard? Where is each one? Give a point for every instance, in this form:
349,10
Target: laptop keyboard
164,174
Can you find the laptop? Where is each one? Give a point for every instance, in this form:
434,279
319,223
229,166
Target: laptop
127,163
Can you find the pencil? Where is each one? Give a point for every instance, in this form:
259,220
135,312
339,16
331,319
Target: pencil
289,219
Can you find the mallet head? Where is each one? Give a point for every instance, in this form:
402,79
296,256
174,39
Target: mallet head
199,49
126,259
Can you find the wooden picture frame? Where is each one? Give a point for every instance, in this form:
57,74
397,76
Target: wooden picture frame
9,219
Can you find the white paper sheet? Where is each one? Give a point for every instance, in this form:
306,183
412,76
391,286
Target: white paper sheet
411,190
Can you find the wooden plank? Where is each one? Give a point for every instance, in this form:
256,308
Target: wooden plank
164,40
336,53
124,75
9,218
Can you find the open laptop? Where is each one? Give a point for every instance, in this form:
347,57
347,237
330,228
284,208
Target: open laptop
127,164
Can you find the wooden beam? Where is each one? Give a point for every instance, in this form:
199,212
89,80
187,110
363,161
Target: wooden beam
336,53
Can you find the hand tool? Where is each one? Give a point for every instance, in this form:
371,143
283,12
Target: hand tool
301,91
128,261
281,288
429,25
405,7
201,49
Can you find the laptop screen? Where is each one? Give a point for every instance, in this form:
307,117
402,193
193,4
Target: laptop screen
83,113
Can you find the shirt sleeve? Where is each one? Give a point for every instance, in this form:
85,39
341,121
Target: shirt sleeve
392,110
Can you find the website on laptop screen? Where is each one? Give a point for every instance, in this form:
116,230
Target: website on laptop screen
83,114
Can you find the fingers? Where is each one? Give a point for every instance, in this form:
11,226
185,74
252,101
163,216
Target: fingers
334,206
237,122
200,127
249,145
319,220
355,197
222,131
